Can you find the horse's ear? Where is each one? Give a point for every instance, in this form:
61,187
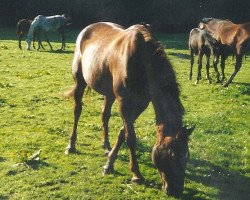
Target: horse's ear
188,131
201,26
185,133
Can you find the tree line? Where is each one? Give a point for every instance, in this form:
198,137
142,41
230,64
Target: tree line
163,15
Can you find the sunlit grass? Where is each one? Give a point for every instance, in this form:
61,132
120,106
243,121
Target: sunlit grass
34,115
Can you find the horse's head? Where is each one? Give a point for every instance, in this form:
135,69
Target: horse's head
170,156
67,19
204,22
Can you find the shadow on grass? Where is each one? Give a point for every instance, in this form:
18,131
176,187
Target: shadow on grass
59,51
179,55
231,185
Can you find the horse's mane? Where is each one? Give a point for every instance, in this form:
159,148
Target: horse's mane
206,20
164,76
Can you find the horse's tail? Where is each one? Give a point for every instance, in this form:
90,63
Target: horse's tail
70,93
18,28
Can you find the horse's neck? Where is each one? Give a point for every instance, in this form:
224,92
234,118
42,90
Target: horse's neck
165,97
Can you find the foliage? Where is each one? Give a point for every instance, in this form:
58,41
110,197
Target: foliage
163,15
35,116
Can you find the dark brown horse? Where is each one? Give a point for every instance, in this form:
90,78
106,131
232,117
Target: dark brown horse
131,66
235,39
22,29
202,43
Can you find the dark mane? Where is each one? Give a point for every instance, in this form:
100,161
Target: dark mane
163,73
206,20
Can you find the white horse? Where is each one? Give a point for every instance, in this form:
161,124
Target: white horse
43,24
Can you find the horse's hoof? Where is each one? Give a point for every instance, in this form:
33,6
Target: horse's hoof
218,81
137,179
107,169
196,82
225,85
70,150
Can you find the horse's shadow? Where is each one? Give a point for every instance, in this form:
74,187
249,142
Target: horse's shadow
59,51
179,55
231,185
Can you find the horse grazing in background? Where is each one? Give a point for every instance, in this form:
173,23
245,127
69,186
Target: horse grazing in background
131,66
235,39
202,43
43,24
22,28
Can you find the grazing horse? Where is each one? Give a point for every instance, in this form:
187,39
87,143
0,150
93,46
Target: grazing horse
22,28
44,24
131,66
202,43
235,39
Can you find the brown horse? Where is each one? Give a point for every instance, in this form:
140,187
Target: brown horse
131,66
235,39
22,28
202,43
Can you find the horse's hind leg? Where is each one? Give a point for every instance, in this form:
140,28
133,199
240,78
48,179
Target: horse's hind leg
106,112
78,93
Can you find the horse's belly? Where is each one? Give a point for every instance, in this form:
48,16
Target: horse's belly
95,72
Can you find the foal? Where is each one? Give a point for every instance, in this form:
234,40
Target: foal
202,43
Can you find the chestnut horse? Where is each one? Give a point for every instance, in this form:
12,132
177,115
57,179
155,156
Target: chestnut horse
22,28
235,39
131,66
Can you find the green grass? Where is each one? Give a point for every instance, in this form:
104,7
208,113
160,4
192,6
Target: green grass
34,116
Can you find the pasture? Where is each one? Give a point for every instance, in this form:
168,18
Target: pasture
34,116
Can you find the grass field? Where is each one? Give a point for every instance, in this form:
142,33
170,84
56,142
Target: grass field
34,116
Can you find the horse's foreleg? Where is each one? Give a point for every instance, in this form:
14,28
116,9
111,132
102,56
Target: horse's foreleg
109,167
63,40
222,65
215,63
130,111
199,68
20,36
207,67
39,42
191,64
238,65
47,40
78,93
106,112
